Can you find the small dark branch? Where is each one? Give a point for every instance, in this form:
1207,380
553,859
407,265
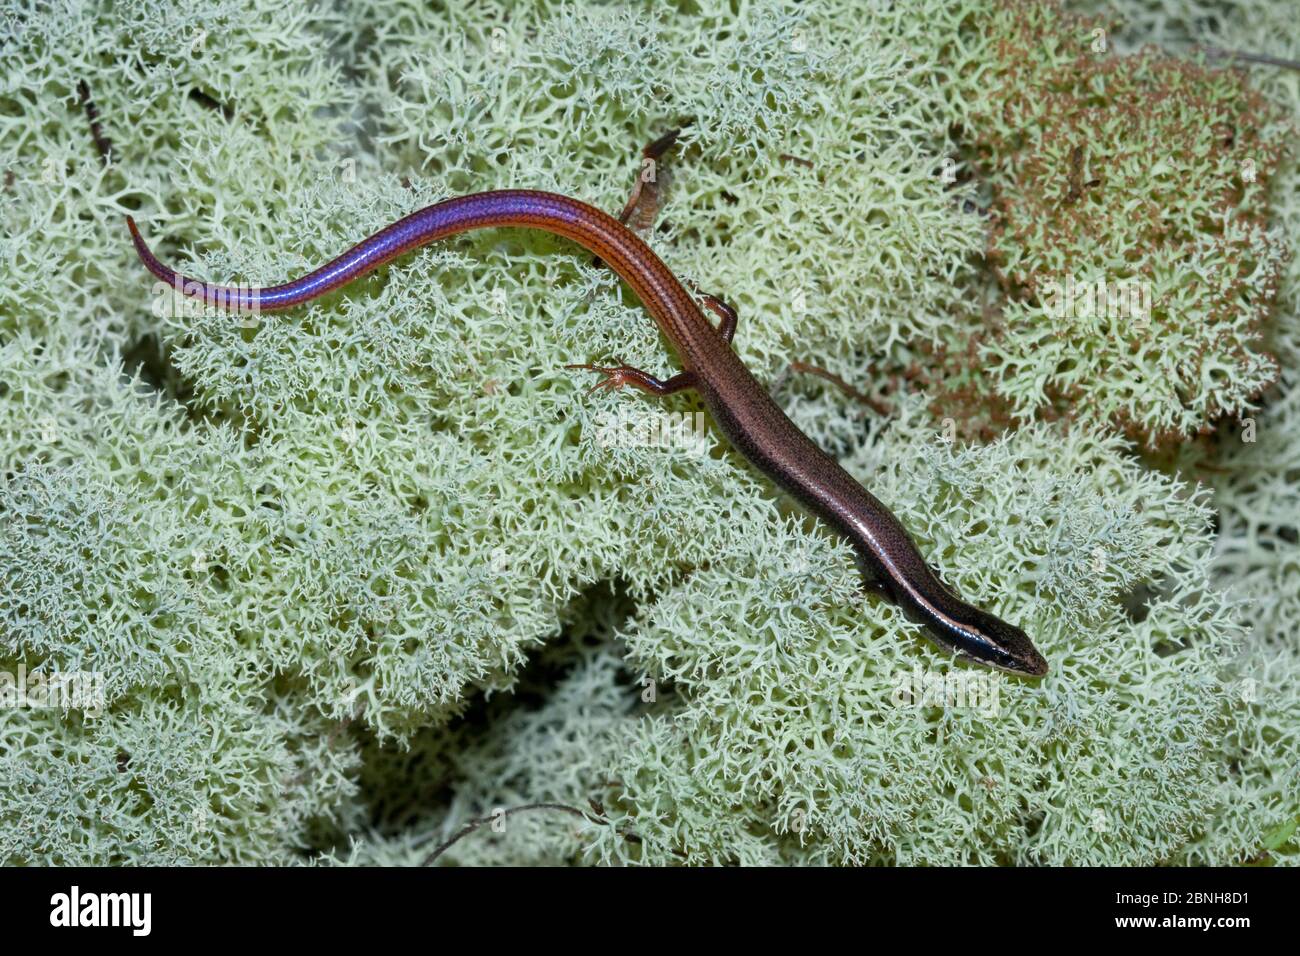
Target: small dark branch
660,146
876,406
799,160
1218,53
1075,177
102,143
1076,174
473,825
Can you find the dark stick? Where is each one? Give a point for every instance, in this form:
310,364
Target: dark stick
102,143
1219,53
473,825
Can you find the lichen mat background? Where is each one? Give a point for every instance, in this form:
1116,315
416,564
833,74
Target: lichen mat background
375,580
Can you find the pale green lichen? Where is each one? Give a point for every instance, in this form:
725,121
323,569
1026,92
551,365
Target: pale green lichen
1254,467
790,687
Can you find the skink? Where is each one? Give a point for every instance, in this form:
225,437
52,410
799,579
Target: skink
740,406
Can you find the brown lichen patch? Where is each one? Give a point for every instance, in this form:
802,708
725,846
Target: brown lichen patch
1142,179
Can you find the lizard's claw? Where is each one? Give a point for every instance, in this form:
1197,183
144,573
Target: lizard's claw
612,378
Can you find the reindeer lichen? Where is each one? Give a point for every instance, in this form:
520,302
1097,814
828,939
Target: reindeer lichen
1131,237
